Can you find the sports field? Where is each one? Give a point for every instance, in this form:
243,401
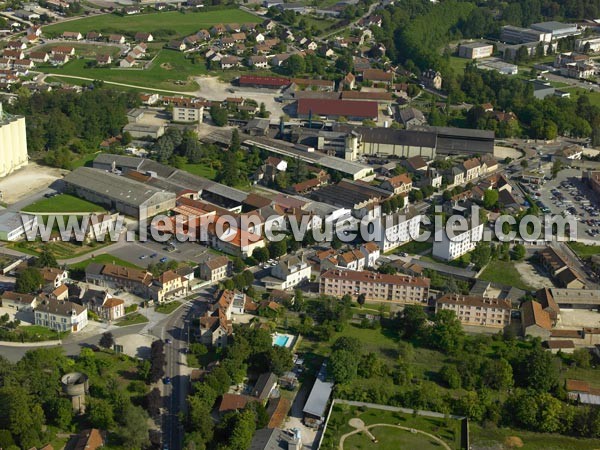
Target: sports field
168,24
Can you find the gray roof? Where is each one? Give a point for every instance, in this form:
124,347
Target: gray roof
129,162
114,187
552,26
270,439
475,44
391,136
319,395
60,307
10,220
264,385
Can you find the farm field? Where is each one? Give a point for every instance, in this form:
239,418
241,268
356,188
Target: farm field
170,70
169,24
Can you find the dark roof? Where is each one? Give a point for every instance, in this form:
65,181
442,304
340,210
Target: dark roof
338,108
264,385
391,136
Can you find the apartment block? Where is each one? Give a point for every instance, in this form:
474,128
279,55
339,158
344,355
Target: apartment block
476,310
375,286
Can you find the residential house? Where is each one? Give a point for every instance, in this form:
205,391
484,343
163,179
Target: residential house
412,117
234,402
72,35
229,62
289,272
535,321
63,50
112,309
39,57
371,252
177,45
258,62
264,386
116,39
93,36
103,60
169,286
54,276
400,184
61,315
17,301
142,36
432,79
127,62
215,269
472,169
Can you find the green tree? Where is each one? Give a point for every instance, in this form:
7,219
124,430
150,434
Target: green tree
60,412
449,375
134,429
100,414
218,115
411,321
446,333
490,198
107,340
481,255
280,360
46,258
29,280
261,254
519,252
295,65
277,248
343,365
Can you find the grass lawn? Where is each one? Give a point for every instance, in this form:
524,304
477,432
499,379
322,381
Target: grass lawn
106,258
201,170
32,333
458,64
85,160
63,203
170,23
414,248
495,438
576,92
170,70
448,430
583,250
132,319
391,438
504,272
167,308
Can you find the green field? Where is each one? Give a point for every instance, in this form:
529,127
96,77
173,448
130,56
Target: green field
583,250
132,319
496,437
87,50
449,430
504,272
167,308
105,258
201,170
63,203
170,70
170,23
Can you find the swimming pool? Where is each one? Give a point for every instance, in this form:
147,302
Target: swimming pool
281,341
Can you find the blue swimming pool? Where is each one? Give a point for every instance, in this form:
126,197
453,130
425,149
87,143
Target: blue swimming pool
281,341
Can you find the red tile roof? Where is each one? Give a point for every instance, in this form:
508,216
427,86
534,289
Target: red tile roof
264,81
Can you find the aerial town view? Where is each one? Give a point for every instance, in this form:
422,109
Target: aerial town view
300,224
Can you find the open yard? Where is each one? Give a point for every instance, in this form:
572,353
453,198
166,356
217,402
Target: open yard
201,170
131,319
448,430
504,272
165,25
170,70
63,203
60,249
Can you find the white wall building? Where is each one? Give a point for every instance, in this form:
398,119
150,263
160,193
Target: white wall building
398,229
193,113
288,273
61,315
447,248
13,143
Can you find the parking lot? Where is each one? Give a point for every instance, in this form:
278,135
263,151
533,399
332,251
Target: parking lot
569,196
146,253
